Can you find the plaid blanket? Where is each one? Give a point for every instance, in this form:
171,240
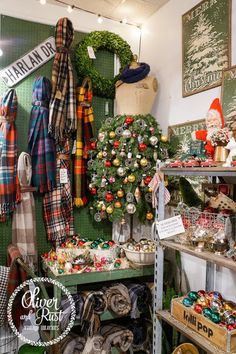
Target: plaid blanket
85,131
57,204
115,336
95,304
4,277
62,117
40,146
8,157
118,299
24,223
140,296
142,332
66,309
16,277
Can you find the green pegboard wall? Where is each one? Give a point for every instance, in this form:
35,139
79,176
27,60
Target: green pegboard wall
17,38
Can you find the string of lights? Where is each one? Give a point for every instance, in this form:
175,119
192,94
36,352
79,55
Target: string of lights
100,18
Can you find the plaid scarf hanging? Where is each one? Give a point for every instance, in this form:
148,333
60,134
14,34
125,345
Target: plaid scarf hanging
8,157
24,223
41,147
62,118
85,131
57,204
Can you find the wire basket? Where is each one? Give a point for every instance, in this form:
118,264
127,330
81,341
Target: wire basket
193,217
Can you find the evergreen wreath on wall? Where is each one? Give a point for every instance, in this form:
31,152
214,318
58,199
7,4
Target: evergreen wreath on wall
122,164
84,65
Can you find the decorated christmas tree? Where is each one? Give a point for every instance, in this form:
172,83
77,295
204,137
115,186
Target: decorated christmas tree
121,166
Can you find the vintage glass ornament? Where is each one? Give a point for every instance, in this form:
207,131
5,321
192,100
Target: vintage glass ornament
129,120
126,134
100,155
187,302
60,271
198,308
164,138
153,140
107,163
93,145
112,134
113,152
116,162
116,144
93,190
104,153
201,293
109,209
121,171
122,153
142,147
136,165
111,179
207,312
147,180
193,295
117,205
109,197
131,208
120,193
216,305
143,162
229,305
131,178
149,215
215,317
202,301
129,197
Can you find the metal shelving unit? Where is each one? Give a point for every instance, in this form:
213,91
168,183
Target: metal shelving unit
211,261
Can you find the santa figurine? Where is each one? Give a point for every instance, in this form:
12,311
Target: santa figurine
214,122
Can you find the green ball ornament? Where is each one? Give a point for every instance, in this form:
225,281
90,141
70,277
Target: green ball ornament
60,271
215,317
193,295
93,245
50,263
207,312
106,246
187,302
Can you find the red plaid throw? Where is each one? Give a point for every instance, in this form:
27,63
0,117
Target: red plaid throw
57,205
85,131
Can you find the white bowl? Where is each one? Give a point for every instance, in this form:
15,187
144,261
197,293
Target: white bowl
140,257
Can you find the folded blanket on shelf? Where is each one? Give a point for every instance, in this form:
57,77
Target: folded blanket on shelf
115,336
142,332
66,308
118,299
140,296
73,344
4,277
93,345
95,303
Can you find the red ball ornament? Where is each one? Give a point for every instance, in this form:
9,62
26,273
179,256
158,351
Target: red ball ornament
109,197
142,147
93,190
76,267
93,145
201,292
45,255
230,327
81,243
116,144
198,308
63,245
111,243
107,163
129,120
147,180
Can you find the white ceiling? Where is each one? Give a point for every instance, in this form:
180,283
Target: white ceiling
135,11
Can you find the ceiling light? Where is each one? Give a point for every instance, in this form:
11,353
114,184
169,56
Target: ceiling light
124,20
100,19
42,2
1,52
70,8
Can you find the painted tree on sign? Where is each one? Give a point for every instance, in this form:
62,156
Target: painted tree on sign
207,52
230,115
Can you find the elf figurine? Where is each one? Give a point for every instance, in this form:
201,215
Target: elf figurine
214,122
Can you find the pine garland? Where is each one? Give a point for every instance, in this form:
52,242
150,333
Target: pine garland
123,161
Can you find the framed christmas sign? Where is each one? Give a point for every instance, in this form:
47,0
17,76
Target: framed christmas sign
206,39
228,96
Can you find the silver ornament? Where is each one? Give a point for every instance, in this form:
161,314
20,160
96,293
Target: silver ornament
121,171
119,131
108,121
136,165
101,136
123,153
131,208
129,197
126,134
113,152
148,197
90,163
104,154
153,140
97,217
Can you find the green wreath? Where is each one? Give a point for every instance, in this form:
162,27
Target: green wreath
84,65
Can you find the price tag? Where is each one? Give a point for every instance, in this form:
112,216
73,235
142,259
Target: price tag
63,175
170,227
91,53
